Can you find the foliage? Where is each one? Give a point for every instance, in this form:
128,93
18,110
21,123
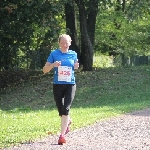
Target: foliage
29,30
28,112
27,26
102,61
125,31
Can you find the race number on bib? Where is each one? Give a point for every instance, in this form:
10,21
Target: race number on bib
64,73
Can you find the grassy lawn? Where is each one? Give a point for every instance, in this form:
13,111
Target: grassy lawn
28,112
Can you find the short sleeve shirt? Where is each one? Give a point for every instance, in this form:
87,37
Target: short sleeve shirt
63,74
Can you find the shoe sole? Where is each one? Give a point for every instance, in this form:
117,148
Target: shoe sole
61,142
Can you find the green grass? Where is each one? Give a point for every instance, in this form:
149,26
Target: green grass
28,112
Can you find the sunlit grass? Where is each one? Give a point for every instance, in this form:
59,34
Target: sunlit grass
21,127
28,112
102,61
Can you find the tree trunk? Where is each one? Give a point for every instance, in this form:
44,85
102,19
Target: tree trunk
91,20
87,33
87,49
71,27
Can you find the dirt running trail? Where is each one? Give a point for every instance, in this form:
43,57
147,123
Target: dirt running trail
127,132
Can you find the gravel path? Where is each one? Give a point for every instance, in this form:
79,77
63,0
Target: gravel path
127,132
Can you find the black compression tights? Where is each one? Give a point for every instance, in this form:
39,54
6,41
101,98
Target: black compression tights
66,91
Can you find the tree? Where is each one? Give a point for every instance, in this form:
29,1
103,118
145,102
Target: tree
71,26
25,27
87,17
123,28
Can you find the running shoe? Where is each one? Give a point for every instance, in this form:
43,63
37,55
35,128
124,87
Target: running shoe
61,140
68,128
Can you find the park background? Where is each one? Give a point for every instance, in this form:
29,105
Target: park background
112,40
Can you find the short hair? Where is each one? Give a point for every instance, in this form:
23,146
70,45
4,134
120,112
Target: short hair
64,36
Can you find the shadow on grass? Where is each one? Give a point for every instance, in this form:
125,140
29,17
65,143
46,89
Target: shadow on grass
122,89
144,112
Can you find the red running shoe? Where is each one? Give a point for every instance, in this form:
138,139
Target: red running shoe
68,128
61,140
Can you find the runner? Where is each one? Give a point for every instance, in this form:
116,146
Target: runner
64,61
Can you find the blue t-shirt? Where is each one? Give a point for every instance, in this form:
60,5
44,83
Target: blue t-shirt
67,60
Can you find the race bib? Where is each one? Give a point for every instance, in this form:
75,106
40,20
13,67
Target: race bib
64,73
